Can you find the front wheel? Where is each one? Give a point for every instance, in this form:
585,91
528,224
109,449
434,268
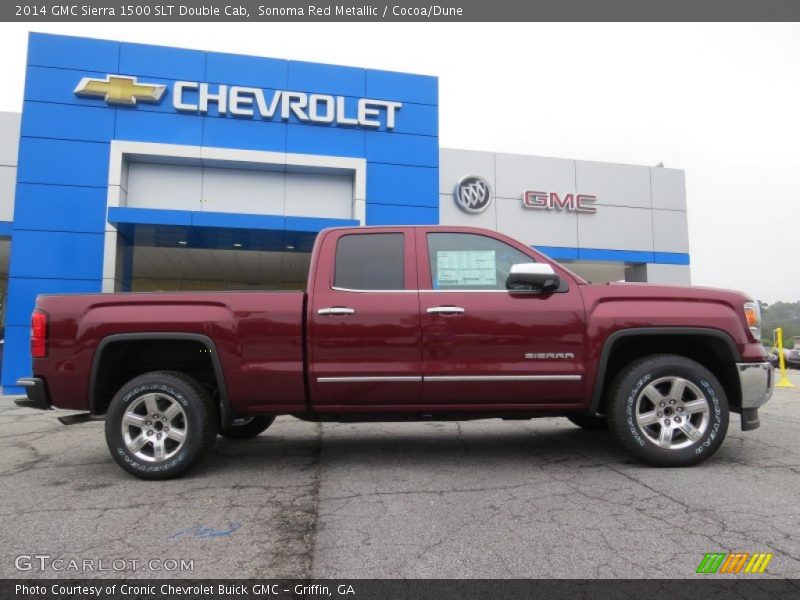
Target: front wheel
668,411
160,424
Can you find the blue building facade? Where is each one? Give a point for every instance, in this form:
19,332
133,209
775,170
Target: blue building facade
63,213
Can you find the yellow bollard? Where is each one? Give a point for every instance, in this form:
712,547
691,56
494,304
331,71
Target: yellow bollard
784,380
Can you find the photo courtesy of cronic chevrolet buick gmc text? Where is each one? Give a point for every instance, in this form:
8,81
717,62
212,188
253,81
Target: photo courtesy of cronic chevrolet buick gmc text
401,323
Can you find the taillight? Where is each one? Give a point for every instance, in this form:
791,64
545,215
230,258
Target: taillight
39,334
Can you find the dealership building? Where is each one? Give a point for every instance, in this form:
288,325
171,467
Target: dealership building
141,168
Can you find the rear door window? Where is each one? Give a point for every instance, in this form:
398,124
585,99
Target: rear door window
369,261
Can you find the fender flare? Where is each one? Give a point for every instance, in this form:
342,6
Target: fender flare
225,409
612,339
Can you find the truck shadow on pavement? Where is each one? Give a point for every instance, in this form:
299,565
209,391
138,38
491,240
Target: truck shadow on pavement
452,445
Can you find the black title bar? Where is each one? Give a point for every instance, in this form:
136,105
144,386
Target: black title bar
699,588
400,10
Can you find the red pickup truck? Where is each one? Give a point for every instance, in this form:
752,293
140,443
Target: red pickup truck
402,323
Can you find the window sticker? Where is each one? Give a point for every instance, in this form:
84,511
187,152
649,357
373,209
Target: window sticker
466,268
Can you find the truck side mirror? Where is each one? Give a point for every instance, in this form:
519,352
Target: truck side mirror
532,277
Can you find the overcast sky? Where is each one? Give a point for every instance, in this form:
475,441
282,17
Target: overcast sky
720,101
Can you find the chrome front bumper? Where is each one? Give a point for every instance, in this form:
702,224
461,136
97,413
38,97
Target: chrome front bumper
757,381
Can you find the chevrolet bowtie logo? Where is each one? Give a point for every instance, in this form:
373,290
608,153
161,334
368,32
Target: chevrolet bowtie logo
118,89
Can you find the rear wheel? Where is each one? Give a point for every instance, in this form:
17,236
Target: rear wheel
243,429
668,411
160,424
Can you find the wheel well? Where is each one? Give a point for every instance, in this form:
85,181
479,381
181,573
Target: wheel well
123,360
710,351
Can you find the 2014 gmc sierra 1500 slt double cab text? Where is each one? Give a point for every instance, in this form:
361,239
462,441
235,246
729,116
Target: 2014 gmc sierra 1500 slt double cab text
402,323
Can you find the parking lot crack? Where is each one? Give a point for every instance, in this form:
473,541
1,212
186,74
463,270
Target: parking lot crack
310,537
289,537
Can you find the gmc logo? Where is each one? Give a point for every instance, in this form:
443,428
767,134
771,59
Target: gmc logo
552,201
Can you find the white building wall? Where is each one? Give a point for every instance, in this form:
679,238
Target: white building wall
9,146
243,191
639,208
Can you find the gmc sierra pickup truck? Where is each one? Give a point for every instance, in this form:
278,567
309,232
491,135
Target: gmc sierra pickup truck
402,323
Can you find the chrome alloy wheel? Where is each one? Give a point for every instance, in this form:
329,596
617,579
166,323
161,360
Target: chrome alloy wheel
672,412
154,427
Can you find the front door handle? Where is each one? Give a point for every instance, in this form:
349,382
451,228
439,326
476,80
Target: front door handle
446,310
336,310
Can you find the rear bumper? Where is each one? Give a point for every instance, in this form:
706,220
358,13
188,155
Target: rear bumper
757,381
36,392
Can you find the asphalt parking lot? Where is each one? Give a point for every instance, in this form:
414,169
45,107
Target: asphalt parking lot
475,499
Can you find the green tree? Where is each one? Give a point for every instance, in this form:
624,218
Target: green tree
780,314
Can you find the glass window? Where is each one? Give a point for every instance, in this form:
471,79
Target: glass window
369,261
467,261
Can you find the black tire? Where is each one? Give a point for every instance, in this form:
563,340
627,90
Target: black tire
249,428
660,371
593,423
197,420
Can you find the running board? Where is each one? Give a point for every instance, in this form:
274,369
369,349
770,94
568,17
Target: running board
80,418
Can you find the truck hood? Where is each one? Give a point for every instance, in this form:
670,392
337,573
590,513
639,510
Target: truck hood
671,292
615,306
654,305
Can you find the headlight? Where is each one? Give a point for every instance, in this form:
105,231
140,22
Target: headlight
752,313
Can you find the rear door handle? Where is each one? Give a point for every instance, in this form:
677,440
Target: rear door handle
446,310
336,310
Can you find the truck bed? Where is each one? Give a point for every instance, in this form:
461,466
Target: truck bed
255,339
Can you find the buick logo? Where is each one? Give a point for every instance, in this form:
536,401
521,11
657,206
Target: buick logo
473,194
